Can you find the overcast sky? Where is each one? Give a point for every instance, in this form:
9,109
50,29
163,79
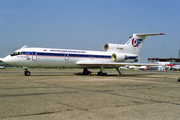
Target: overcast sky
90,24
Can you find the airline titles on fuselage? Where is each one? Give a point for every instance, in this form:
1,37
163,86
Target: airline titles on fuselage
69,51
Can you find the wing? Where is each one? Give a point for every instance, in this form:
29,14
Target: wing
111,64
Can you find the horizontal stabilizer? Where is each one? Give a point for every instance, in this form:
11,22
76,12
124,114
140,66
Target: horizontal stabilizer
150,34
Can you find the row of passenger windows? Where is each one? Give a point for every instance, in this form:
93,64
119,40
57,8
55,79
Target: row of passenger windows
74,55
56,54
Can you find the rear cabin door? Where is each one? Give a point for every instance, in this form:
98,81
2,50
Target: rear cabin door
91,56
66,56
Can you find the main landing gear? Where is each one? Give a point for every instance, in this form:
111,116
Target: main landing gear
26,72
86,72
100,73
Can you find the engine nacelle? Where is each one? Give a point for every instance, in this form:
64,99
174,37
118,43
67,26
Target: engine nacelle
119,57
113,47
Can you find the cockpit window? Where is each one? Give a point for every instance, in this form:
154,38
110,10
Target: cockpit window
16,53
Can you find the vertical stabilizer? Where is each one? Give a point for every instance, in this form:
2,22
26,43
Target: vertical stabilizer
134,44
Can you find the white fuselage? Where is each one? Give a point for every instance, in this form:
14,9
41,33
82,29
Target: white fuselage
114,56
59,58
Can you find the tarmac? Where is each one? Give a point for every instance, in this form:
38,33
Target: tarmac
52,94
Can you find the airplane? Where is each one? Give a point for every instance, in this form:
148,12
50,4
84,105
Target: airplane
176,67
140,68
114,56
173,67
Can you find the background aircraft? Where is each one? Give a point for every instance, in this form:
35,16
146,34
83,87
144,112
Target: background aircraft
172,67
140,68
114,56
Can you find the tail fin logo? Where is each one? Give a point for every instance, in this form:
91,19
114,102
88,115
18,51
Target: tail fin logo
135,42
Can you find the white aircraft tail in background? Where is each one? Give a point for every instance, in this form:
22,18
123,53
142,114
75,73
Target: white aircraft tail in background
114,56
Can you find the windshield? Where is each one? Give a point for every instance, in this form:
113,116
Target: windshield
16,53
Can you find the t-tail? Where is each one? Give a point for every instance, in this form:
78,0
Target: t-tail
133,45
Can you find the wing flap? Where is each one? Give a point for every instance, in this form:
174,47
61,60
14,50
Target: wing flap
112,64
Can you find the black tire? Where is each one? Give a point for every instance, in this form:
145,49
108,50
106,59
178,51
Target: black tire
104,74
99,73
27,73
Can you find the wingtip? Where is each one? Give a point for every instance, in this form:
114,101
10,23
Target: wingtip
162,34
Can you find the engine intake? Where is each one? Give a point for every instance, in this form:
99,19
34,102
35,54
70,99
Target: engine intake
113,47
119,57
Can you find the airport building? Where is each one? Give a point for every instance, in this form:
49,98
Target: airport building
175,61
164,61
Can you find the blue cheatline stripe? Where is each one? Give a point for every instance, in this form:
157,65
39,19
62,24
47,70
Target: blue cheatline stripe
71,55
63,54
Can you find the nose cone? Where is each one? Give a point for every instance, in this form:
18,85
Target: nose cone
7,59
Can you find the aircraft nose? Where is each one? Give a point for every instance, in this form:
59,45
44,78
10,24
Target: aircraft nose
7,59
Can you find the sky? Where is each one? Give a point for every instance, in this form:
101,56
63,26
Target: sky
90,24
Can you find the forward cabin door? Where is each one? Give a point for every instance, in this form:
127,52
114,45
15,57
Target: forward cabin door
34,56
91,56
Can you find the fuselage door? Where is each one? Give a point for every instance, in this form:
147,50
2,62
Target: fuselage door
34,56
66,55
91,56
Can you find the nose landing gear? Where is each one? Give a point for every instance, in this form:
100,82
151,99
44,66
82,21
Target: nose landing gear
26,72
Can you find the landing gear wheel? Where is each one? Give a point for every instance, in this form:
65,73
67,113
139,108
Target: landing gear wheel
101,74
27,73
86,72
104,74
178,79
